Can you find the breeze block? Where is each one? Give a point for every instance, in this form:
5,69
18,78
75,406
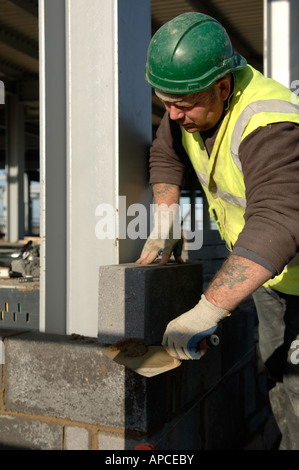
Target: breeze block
137,301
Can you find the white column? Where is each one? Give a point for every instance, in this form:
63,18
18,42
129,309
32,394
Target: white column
281,41
95,130
278,40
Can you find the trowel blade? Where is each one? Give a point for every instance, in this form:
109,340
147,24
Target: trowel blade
154,362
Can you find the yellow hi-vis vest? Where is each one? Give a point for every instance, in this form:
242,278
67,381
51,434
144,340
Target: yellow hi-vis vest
257,101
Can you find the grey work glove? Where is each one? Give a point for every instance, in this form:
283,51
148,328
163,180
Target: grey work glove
183,334
165,238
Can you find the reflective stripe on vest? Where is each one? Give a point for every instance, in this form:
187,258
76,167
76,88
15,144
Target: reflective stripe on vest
238,201
262,106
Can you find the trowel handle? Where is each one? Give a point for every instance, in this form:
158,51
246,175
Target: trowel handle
209,342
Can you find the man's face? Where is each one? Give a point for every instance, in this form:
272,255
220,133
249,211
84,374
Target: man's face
199,111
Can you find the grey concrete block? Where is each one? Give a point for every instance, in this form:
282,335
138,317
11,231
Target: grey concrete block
76,438
20,433
51,375
139,301
3,334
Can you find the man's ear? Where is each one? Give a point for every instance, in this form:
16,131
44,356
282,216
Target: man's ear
224,88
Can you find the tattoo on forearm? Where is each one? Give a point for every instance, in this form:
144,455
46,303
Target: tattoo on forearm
166,193
163,188
231,273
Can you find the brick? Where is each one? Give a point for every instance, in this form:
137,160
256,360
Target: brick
76,438
18,433
3,334
114,441
51,375
139,301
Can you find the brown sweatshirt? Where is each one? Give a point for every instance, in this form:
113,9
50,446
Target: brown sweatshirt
270,165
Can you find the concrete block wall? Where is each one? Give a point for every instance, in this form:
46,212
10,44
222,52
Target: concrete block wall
63,393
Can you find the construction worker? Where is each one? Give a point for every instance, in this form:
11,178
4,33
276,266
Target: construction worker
240,131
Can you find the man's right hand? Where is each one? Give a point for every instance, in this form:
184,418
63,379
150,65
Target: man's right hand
164,239
183,334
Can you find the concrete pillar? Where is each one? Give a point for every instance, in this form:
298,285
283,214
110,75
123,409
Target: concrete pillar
14,166
95,130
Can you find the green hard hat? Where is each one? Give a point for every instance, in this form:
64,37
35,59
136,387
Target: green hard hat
189,53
